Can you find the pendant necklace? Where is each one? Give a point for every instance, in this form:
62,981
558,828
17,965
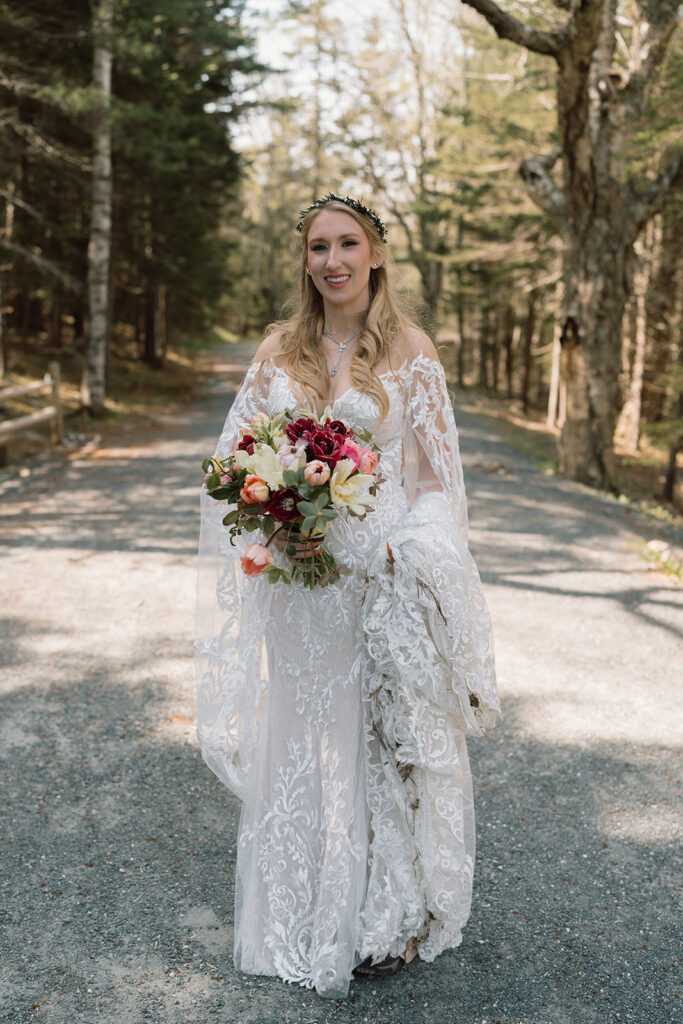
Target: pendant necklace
342,345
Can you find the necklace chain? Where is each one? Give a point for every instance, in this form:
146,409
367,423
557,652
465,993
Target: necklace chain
342,345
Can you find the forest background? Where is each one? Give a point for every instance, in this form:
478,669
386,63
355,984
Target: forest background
526,157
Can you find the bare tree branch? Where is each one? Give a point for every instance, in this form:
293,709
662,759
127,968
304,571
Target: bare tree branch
23,87
507,27
44,265
12,198
41,145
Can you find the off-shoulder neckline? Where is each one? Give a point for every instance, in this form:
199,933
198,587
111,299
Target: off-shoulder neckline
406,365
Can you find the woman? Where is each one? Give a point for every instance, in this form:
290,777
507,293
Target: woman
338,715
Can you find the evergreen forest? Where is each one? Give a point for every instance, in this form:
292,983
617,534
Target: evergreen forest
526,157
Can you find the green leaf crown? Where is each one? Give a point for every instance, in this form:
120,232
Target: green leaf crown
348,201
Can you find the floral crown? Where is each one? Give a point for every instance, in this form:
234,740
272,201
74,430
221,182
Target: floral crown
354,204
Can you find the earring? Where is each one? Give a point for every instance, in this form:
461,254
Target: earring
375,265
308,270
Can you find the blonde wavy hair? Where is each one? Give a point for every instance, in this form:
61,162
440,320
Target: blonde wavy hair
300,352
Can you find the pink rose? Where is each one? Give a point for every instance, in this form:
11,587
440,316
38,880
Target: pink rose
254,490
226,479
368,460
255,559
316,473
351,450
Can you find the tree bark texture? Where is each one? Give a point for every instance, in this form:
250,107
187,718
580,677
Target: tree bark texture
529,329
554,390
628,425
663,304
99,248
598,213
6,232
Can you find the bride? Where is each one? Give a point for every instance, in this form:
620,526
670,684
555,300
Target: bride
339,715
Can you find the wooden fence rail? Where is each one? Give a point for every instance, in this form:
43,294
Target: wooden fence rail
51,414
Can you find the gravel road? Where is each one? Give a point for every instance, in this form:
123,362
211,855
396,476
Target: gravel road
117,845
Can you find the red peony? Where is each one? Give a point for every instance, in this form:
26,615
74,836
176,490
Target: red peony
282,506
337,427
247,444
300,428
325,445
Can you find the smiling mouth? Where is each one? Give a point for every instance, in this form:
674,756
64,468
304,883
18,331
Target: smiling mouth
340,279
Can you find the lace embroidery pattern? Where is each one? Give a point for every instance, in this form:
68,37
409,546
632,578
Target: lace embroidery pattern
339,716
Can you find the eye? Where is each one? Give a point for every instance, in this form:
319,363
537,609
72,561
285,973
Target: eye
318,247
350,241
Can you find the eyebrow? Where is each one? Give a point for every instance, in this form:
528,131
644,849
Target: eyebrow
349,234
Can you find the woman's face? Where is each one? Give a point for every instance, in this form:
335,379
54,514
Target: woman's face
340,258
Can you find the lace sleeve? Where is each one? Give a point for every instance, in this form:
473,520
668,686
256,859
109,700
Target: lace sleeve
431,444
229,666
431,591
251,399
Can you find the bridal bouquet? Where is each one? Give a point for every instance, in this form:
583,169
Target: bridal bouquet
294,473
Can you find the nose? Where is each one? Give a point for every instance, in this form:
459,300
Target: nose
333,260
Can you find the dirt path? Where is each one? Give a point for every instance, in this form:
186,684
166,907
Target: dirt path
117,845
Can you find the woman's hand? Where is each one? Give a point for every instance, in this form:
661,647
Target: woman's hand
304,549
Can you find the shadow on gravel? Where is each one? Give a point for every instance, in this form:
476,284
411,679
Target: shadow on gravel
544,545
114,505
118,852
117,845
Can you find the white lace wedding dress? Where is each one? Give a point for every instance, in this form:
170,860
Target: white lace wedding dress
338,716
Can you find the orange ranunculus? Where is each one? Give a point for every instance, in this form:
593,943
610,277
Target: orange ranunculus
254,490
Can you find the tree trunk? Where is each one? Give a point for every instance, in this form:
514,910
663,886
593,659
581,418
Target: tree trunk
669,491
155,327
529,328
460,307
495,350
598,208
628,425
93,388
7,235
554,391
484,348
431,278
661,319
509,328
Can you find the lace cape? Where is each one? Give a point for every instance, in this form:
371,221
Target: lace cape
426,665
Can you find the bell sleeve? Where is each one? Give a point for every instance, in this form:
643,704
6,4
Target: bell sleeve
230,663
427,620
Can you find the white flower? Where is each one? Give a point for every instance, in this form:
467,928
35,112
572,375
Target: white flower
264,463
279,438
291,457
346,490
